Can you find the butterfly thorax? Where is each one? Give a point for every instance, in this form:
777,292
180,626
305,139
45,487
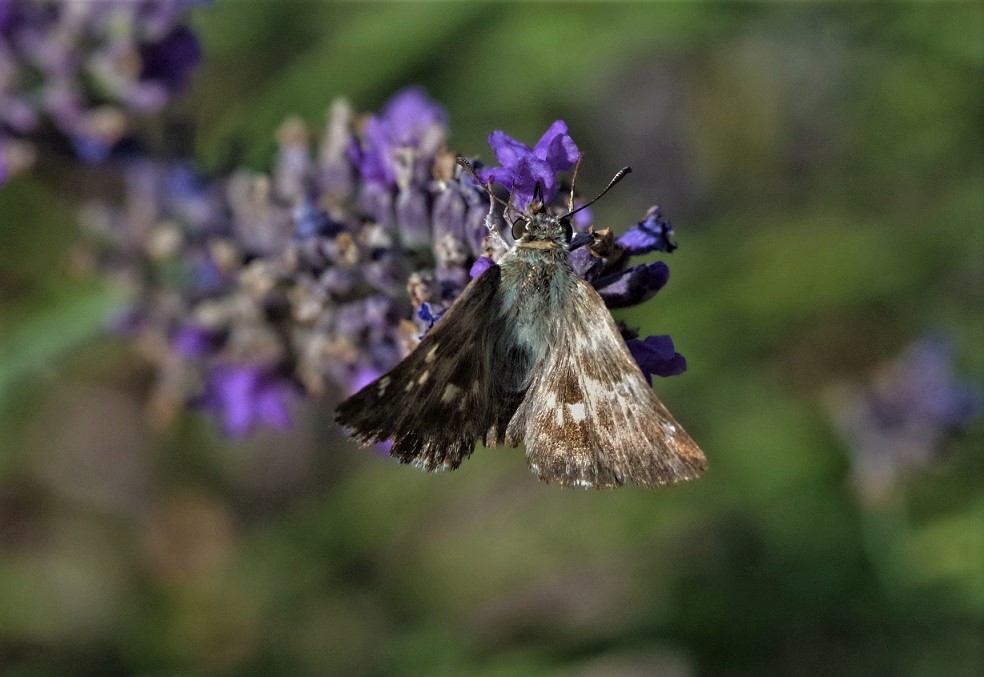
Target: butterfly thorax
536,281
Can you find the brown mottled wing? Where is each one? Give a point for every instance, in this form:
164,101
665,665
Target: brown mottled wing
441,398
590,419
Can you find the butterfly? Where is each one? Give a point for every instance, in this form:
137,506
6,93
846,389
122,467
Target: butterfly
528,353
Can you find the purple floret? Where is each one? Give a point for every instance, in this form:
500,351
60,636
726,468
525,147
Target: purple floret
633,286
652,234
193,341
656,355
409,121
481,264
522,167
171,60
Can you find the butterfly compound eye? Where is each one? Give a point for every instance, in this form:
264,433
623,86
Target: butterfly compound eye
568,229
518,228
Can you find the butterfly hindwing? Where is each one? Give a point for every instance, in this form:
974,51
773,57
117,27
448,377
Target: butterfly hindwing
441,398
589,417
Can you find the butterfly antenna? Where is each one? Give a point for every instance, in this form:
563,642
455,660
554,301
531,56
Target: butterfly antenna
467,166
611,184
493,198
570,200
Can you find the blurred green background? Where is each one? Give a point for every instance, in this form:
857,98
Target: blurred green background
824,169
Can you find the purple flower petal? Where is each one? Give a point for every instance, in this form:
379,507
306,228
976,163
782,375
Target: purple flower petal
413,218
633,286
192,341
232,398
480,266
409,120
923,387
508,151
523,167
246,396
557,148
585,264
408,115
271,405
429,315
652,234
531,171
172,59
656,355
362,377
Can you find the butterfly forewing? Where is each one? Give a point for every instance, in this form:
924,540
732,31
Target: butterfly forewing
440,399
590,419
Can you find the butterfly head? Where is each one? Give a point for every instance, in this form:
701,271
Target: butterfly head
538,229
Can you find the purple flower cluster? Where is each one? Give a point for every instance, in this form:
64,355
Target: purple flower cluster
253,290
83,69
522,168
900,421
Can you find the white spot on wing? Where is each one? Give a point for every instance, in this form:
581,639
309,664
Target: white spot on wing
577,411
423,377
450,392
425,464
384,384
431,354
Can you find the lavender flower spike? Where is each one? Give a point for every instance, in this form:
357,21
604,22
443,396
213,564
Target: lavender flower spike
322,274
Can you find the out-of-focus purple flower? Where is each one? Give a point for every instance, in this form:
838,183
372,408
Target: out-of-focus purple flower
900,421
480,266
172,59
193,341
652,234
394,156
247,396
362,377
656,355
922,386
313,222
522,168
91,149
407,134
427,314
89,67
